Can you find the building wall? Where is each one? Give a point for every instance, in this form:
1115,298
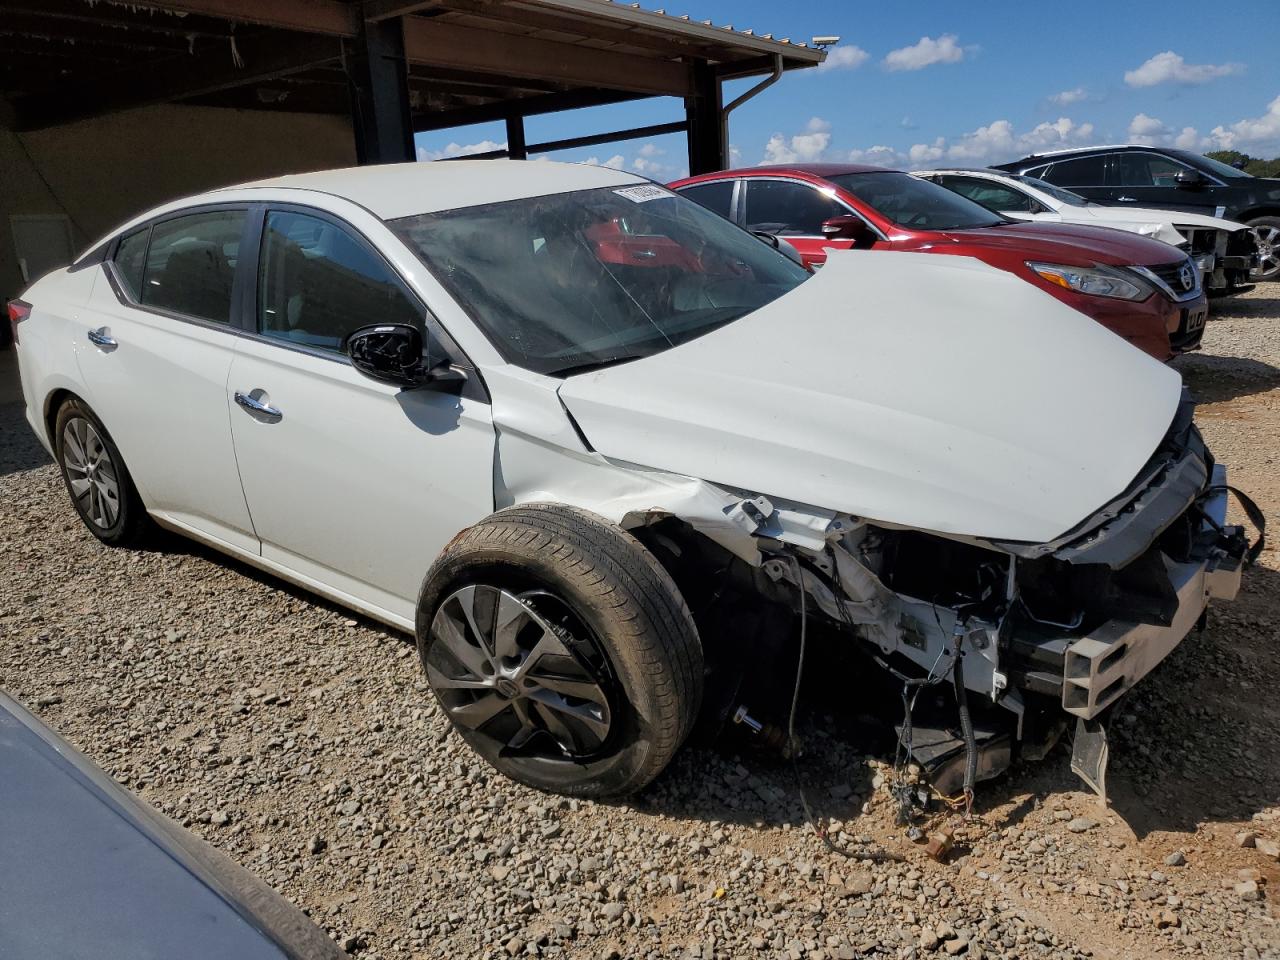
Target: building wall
102,171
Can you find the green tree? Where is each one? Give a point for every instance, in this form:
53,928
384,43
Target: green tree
1251,165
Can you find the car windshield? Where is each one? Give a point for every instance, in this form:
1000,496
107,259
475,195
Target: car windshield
919,204
1066,196
565,283
1215,167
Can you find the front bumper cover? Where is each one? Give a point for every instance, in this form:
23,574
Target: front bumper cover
1101,667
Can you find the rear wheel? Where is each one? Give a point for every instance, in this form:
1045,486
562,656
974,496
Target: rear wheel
560,650
96,477
1266,234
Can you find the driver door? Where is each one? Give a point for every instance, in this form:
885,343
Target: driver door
353,486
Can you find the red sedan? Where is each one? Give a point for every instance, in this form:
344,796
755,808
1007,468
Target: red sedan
1146,291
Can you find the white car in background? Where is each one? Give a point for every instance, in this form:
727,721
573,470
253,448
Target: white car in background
600,449
1224,251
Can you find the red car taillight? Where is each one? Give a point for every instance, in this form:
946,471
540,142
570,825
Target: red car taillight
19,310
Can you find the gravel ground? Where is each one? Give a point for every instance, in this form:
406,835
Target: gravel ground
303,742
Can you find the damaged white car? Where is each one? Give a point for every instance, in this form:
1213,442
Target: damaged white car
600,448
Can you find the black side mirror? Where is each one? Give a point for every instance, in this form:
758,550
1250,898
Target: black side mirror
392,353
845,227
1189,178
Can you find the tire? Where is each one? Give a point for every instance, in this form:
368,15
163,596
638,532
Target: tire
1266,230
110,505
600,681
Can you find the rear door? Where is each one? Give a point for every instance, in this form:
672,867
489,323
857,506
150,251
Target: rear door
155,355
1091,176
354,486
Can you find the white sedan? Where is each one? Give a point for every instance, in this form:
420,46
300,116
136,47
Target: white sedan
1224,251
601,450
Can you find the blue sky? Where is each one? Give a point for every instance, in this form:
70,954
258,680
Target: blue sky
927,83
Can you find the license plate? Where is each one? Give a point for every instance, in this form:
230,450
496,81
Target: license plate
1193,320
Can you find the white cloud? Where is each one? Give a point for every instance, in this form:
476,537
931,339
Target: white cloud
616,162
992,143
1257,134
1169,67
802,147
460,150
1068,97
844,58
1147,130
946,49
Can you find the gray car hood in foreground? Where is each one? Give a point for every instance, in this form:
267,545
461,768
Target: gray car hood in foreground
930,392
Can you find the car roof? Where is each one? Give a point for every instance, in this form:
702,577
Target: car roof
395,190
811,169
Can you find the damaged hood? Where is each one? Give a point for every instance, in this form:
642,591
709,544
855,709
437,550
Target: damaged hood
930,392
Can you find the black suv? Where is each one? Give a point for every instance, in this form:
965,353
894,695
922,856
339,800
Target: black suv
1173,179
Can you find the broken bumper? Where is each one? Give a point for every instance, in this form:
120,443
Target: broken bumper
1101,667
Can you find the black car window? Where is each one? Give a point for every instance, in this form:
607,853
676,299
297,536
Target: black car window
788,208
130,259
1080,172
716,196
191,262
992,195
1149,170
318,283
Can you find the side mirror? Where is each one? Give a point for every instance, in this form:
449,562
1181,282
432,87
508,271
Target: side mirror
1189,179
845,227
392,353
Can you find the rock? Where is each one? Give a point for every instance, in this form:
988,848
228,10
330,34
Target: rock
1268,848
1248,890
612,911
220,819
956,947
1246,838
500,872
48,700
1175,859
349,808
929,940
1164,919
860,882
317,844
1081,825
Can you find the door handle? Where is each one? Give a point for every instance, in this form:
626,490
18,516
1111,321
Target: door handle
258,409
101,338
1126,199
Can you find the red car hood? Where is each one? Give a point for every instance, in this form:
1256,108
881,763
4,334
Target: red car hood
1070,243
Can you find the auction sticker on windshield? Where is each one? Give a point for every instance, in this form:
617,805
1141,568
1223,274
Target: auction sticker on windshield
646,191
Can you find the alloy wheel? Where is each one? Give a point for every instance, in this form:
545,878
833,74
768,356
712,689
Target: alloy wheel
91,473
519,670
1267,238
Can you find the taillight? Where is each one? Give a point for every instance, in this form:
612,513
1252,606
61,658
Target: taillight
19,310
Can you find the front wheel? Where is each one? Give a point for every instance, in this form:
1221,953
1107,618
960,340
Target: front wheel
560,650
1266,234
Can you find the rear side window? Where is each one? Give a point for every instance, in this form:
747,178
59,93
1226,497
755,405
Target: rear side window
130,259
786,208
1080,172
318,283
716,197
992,195
191,263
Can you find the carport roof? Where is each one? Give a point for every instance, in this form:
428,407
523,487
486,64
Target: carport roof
468,60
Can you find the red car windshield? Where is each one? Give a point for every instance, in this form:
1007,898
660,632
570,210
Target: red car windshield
565,283
914,203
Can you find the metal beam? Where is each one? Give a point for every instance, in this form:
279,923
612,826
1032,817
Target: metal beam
375,10
333,17
379,76
526,106
516,148
614,136
468,48
708,150
176,78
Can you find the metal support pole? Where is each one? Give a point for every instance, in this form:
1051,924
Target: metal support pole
379,79
516,149
708,146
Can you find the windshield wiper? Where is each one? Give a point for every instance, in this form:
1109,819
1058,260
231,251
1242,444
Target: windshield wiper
591,365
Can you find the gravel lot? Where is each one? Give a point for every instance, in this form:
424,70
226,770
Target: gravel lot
303,743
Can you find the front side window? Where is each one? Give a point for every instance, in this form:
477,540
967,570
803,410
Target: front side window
1080,172
130,259
318,283
992,195
914,203
1149,170
716,196
566,282
191,263
787,208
